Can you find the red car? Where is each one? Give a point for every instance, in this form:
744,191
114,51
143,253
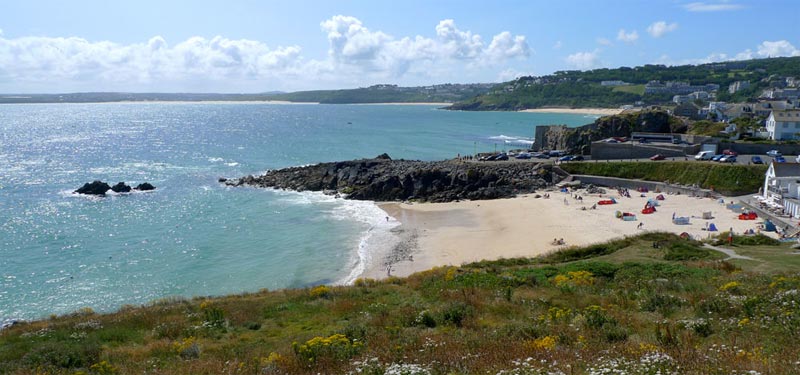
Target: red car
657,157
730,152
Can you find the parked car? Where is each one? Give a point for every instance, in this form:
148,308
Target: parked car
773,153
502,156
657,157
756,160
779,159
704,155
580,158
523,155
566,158
717,157
730,152
541,155
728,159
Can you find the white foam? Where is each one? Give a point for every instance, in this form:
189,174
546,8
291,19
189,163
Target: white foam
502,137
233,164
215,160
376,239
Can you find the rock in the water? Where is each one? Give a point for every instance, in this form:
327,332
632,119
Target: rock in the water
96,187
120,187
383,156
222,179
145,187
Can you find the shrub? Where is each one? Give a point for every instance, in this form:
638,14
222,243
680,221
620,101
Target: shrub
187,348
455,313
336,347
543,343
320,291
680,251
63,354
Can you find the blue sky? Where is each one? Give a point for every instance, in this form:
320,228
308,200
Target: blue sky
257,46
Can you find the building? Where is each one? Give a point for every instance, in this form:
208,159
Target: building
782,187
738,86
783,124
613,83
687,110
677,88
781,94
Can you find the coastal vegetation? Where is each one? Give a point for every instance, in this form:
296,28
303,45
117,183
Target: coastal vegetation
726,179
575,88
625,306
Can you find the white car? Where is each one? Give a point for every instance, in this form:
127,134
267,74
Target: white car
774,153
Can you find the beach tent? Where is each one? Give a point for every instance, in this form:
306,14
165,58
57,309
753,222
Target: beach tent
707,215
686,236
681,220
769,226
712,228
660,197
653,202
607,201
629,218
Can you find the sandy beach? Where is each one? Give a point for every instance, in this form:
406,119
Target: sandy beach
586,111
439,234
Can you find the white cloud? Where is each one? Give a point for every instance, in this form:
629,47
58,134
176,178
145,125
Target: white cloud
512,74
627,37
584,60
604,42
711,7
780,48
356,56
658,29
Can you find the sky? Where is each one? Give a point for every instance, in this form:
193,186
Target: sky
250,46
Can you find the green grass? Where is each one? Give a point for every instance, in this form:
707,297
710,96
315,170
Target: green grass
723,178
631,89
622,304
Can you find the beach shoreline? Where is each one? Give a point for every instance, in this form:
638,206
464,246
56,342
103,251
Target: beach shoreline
580,111
456,233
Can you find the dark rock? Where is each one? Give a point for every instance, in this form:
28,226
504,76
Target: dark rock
120,187
222,179
384,179
383,156
96,187
145,187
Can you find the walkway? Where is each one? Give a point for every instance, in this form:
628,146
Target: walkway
730,253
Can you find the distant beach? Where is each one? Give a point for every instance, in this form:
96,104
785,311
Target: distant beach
468,231
587,111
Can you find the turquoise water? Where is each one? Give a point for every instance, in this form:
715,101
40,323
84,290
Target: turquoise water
192,236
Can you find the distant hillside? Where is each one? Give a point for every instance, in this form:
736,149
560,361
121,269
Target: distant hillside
446,93
584,89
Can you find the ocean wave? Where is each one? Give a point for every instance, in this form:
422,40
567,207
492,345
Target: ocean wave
376,238
215,160
502,137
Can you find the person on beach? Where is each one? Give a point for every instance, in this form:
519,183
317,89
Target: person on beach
640,225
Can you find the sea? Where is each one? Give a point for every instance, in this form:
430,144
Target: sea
192,236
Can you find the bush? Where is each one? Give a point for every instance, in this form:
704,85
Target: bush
63,354
336,347
681,251
455,313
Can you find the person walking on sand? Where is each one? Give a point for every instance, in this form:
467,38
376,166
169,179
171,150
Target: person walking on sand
640,225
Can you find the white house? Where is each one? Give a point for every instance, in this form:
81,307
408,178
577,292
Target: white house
783,124
782,186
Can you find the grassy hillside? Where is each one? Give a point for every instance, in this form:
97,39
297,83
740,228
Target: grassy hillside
724,178
673,309
575,88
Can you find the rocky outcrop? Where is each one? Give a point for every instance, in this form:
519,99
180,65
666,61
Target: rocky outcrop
383,179
95,187
578,140
145,187
98,187
120,187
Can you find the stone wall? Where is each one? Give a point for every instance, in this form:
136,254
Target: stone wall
616,151
651,185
